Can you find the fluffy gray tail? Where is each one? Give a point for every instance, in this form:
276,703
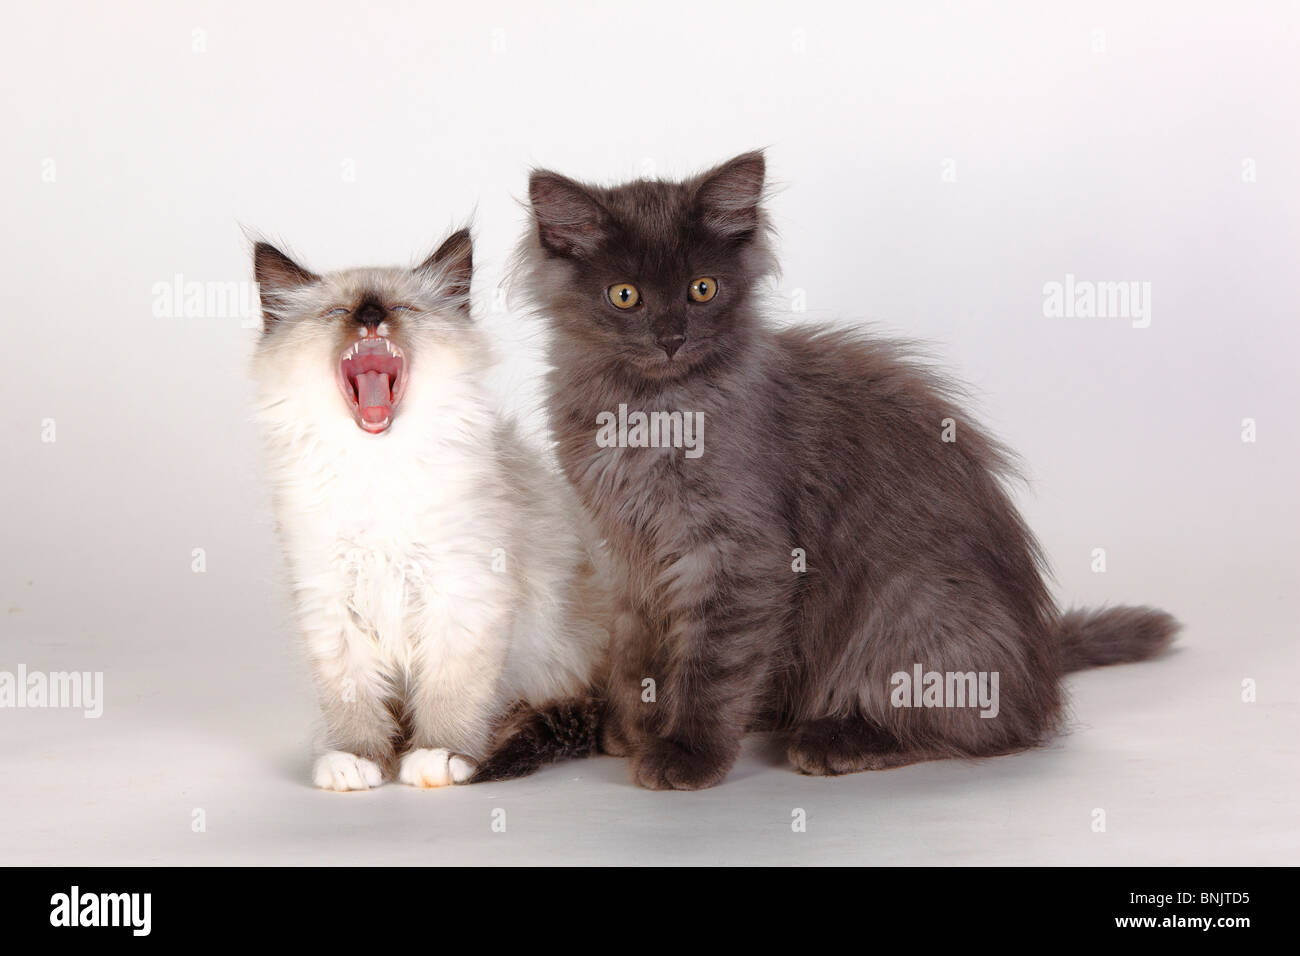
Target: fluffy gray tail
1113,635
533,737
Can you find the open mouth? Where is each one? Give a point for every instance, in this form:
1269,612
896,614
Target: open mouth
372,377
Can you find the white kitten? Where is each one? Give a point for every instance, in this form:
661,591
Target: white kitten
440,571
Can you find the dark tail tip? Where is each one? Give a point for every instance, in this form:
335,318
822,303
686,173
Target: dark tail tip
1116,635
563,730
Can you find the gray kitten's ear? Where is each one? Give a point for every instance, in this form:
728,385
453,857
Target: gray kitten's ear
570,221
728,197
276,274
454,262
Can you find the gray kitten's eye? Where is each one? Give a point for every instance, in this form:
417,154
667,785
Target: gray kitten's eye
704,288
623,295
339,311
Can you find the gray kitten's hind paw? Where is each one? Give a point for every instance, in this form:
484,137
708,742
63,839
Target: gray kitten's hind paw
832,746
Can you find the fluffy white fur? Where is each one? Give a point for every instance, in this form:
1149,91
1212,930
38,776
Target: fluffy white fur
441,573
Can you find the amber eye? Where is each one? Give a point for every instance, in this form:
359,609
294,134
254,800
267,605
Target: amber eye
624,295
703,289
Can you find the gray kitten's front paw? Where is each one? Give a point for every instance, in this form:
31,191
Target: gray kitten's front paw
667,765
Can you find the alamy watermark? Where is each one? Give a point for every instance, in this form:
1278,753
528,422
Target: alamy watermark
651,430
1084,299
193,299
922,688
67,690
75,908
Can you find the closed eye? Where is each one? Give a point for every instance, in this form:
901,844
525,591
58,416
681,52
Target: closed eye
403,308
338,311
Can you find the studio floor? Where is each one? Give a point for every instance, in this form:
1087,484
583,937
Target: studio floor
200,757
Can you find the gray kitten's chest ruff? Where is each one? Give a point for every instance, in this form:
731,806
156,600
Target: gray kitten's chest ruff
677,526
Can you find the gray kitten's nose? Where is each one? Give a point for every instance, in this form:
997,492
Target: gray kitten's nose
671,343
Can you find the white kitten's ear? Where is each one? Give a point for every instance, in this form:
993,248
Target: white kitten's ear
728,197
570,221
453,263
276,275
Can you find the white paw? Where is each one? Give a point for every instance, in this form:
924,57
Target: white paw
338,770
435,767
462,768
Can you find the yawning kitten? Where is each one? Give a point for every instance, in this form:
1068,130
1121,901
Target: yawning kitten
840,531
440,578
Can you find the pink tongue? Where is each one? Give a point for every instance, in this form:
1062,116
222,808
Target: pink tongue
374,397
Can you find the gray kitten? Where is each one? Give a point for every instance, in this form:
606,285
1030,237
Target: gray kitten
827,563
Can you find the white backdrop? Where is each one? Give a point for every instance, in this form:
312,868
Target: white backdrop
937,166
